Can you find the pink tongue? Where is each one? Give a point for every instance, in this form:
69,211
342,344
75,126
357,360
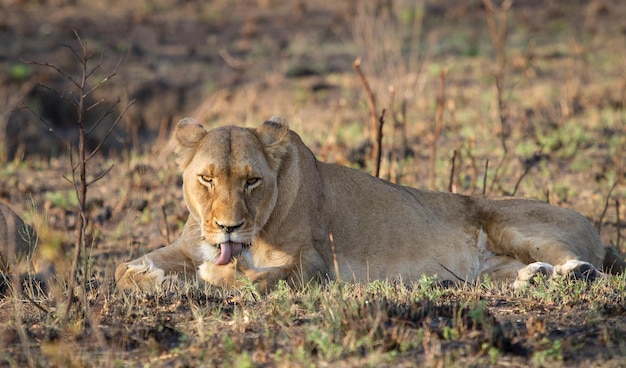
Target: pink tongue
224,254
228,249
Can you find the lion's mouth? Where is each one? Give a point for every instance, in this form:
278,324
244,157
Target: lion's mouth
228,250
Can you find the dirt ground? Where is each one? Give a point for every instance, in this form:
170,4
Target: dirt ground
557,133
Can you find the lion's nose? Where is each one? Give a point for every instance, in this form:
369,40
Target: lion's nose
228,228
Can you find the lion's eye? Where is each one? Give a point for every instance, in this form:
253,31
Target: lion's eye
205,179
252,182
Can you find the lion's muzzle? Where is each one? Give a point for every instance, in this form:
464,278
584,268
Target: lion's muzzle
228,228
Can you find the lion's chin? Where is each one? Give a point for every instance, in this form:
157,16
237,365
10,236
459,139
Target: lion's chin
227,250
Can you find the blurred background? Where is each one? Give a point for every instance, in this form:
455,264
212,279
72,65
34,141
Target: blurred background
494,97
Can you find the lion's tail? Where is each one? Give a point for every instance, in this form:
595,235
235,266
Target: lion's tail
613,263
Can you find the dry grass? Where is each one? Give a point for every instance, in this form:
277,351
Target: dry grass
381,324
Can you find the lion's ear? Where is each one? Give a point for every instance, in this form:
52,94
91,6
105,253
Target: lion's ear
188,133
273,134
272,131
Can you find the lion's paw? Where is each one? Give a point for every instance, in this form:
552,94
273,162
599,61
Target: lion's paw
225,275
140,274
526,275
578,270
218,275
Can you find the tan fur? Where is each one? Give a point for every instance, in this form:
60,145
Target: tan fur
264,187
17,240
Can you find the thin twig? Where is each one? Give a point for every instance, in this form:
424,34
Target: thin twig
110,130
392,157
231,61
94,105
379,143
497,33
529,164
331,240
63,95
452,163
496,174
618,226
80,185
485,177
441,99
519,180
94,69
102,175
35,303
51,129
370,96
452,273
53,67
498,37
606,205
470,155
167,228
108,111
111,74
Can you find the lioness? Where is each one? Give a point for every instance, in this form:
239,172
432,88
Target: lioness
262,207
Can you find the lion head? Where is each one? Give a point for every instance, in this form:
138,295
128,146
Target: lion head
230,177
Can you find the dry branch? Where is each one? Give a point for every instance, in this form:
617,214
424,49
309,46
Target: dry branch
474,165
606,205
497,25
452,167
331,240
618,226
379,143
370,97
441,100
78,164
375,124
485,177
528,165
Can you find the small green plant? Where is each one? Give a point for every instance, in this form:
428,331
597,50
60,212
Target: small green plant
493,352
243,360
450,333
552,353
62,200
477,312
20,71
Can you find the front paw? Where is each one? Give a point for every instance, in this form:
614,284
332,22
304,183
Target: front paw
140,275
218,275
228,275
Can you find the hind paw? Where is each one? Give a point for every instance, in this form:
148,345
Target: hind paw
578,270
526,276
